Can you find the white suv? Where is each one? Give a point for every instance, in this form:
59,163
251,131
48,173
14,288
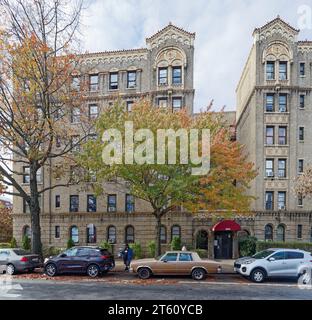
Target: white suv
274,263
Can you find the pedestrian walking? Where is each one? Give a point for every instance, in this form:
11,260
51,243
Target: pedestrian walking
127,255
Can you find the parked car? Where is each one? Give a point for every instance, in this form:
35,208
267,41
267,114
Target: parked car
274,263
93,261
175,263
13,261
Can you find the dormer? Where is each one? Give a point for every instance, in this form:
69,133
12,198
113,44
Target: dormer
170,33
276,27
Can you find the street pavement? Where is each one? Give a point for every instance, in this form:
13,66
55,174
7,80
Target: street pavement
125,286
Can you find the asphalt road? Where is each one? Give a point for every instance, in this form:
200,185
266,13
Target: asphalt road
182,289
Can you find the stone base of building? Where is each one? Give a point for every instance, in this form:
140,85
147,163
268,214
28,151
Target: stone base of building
197,231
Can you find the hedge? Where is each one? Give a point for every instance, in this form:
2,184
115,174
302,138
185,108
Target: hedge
5,245
306,246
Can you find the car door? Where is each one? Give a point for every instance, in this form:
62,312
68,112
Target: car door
293,261
4,258
276,264
185,263
167,264
82,259
67,263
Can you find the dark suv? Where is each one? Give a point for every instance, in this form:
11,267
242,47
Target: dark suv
93,261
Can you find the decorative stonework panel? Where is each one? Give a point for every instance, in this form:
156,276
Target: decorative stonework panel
277,51
276,152
171,57
277,119
276,184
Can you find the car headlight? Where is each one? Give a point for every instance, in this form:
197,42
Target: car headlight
46,260
248,262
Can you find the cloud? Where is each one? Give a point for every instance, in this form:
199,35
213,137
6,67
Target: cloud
223,28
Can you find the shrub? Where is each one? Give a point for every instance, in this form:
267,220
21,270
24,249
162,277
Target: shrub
151,248
202,253
13,243
26,243
106,245
51,251
4,245
176,244
70,243
247,246
137,250
306,246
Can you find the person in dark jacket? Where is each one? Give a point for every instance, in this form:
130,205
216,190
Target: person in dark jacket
127,255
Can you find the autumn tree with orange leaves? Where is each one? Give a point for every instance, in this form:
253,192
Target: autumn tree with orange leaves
167,186
37,97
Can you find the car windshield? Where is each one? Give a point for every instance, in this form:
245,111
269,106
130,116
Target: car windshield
263,254
20,252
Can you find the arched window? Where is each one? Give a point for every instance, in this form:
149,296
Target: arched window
111,234
91,233
163,234
74,234
27,231
280,233
129,238
268,233
175,232
202,240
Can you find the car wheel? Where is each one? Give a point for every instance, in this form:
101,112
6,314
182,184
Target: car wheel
258,276
10,269
198,274
144,273
50,270
93,271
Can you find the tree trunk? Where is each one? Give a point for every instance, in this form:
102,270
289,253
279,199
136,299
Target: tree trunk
36,245
157,240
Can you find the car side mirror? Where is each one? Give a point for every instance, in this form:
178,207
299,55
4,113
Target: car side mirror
165,261
63,255
271,259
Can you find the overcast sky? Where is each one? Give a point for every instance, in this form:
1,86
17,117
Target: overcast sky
223,34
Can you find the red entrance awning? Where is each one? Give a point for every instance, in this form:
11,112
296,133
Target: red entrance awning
226,225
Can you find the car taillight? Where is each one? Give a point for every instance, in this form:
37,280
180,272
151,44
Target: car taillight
105,257
24,259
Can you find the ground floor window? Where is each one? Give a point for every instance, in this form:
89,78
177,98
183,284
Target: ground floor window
163,234
280,233
111,235
91,233
268,233
27,232
129,238
74,234
175,232
202,240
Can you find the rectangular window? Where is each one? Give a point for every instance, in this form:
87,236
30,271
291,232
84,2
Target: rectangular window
283,70
281,200
300,200
302,101
300,166
131,79
301,134
302,69
93,111
111,203
162,76
91,203
177,75
282,107
57,232
269,200
94,82
270,70
282,136
270,102
26,175
177,104
269,168
129,105
129,203
74,204
163,102
282,168
113,81
299,231
270,136
57,201
74,143
75,115
76,83
74,174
